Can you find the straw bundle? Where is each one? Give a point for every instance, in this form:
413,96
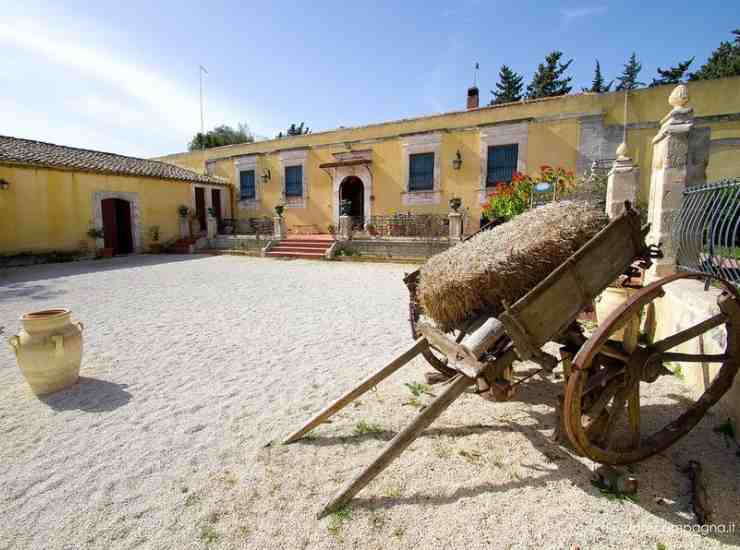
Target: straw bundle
504,263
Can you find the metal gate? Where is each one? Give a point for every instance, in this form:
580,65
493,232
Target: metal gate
706,230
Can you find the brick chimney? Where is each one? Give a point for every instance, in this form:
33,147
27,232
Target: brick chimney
473,97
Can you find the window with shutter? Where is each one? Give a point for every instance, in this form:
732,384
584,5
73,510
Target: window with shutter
247,189
421,172
502,162
294,181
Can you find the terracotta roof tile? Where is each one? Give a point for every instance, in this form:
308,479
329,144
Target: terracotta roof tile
38,153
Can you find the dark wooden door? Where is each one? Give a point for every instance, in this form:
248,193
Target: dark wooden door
200,207
110,226
117,226
216,203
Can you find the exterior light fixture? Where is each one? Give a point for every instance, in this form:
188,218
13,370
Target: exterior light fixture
4,185
266,176
457,161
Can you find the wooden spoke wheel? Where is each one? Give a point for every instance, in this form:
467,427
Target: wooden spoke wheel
615,411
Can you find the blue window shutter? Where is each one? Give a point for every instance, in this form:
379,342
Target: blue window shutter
294,181
502,163
247,190
421,172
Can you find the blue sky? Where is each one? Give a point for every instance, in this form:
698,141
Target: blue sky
123,76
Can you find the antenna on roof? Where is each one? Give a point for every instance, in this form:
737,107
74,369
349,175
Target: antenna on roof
475,74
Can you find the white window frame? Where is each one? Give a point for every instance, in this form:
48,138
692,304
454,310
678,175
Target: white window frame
244,164
421,143
295,157
502,134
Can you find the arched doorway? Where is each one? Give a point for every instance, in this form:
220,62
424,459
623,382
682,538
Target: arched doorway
117,225
353,190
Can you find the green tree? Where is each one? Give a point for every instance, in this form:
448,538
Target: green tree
509,87
597,86
295,130
724,61
221,135
628,78
672,75
549,79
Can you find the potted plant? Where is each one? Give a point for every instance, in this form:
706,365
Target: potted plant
455,203
155,247
279,210
211,212
183,211
98,235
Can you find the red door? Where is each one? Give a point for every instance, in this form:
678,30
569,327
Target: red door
200,207
117,226
216,204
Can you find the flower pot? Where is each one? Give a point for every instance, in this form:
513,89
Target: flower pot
608,301
48,350
155,248
107,252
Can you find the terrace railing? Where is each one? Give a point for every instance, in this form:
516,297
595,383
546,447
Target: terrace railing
705,232
256,226
424,226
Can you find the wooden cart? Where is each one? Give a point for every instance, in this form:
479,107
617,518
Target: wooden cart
602,374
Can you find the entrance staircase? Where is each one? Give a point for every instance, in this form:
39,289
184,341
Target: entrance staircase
309,247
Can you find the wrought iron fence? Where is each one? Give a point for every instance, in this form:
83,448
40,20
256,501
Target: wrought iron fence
428,226
256,226
705,233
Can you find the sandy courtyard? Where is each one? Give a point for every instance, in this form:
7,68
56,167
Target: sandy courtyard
192,364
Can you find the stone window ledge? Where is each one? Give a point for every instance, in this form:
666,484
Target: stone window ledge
295,202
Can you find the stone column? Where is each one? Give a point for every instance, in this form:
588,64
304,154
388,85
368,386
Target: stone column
345,228
211,226
622,183
456,226
680,157
279,231
184,228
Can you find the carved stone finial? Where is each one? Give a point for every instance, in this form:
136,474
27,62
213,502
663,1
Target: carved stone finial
679,96
622,151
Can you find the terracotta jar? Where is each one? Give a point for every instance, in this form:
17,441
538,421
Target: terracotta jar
49,350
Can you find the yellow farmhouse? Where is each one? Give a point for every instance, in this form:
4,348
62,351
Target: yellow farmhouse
51,195
418,164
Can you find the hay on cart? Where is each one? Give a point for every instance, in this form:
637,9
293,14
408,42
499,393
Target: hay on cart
505,263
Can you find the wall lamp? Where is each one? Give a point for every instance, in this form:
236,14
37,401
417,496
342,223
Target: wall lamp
266,176
4,185
457,161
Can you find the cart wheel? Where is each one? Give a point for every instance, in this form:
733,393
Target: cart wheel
620,393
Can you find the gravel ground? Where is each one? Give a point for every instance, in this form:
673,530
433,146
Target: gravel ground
192,364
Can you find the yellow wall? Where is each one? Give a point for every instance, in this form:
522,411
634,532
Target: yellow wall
553,138
44,210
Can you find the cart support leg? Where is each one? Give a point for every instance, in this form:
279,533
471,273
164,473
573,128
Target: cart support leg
397,445
369,382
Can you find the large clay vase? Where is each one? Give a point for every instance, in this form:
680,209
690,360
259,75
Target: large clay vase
49,350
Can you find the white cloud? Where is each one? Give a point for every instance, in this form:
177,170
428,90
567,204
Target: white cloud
72,83
571,14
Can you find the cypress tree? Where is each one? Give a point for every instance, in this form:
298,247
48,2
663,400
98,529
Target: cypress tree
628,78
597,86
724,61
549,80
509,87
672,75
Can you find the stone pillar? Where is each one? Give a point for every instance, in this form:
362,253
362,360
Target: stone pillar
184,228
680,157
622,183
279,231
345,228
211,226
456,226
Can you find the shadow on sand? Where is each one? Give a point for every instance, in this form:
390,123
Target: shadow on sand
89,395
